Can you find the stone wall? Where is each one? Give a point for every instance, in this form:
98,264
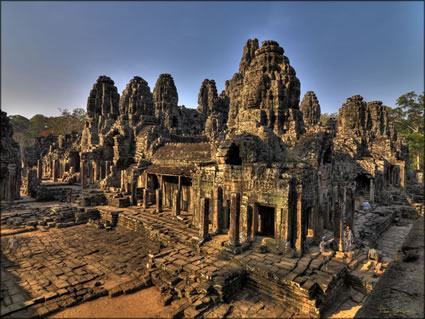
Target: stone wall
10,165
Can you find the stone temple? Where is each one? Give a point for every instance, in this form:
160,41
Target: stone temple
251,176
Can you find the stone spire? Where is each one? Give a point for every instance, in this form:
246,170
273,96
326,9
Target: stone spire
311,108
137,98
207,97
267,92
165,94
352,115
364,129
248,54
102,111
103,99
213,107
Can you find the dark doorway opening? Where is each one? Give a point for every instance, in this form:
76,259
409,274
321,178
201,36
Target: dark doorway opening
75,161
233,157
362,183
327,157
266,217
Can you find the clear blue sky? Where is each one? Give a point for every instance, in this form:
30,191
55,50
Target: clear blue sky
53,52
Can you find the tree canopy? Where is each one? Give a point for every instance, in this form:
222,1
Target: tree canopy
408,118
324,117
25,130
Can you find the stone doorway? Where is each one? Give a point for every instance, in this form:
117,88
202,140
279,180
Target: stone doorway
233,156
362,183
266,220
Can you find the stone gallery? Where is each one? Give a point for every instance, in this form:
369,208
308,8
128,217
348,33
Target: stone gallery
249,183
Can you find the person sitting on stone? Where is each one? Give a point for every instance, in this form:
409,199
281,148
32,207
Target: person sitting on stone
366,206
372,255
289,252
12,245
288,245
322,247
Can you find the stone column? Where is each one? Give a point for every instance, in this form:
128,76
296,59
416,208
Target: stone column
235,207
254,223
133,190
159,200
204,211
372,191
107,168
39,169
145,198
190,198
11,182
55,170
218,210
299,230
176,202
96,171
83,173
403,176
90,170
226,213
249,213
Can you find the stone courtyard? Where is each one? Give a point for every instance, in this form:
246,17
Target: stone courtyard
56,267
220,208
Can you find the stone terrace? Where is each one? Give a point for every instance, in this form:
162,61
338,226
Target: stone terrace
60,267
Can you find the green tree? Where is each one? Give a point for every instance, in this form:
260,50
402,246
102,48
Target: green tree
324,117
20,126
408,118
68,122
39,124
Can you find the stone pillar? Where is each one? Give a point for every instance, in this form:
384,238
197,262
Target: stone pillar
299,230
11,183
341,233
55,170
226,213
254,223
176,202
145,198
235,207
83,174
96,171
190,199
372,191
103,170
90,170
39,169
133,190
204,211
403,176
249,213
107,168
338,217
179,187
218,210
278,231
159,200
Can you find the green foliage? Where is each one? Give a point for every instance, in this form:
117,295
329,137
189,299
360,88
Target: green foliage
20,126
26,130
68,122
408,118
38,124
324,117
